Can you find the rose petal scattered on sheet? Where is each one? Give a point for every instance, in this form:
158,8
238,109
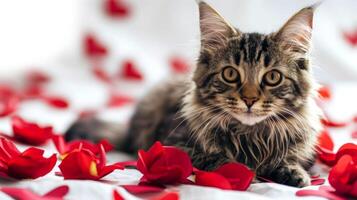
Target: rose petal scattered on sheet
93,48
325,140
9,100
351,37
36,77
56,102
333,124
119,100
29,164
26,194
116,8
230,176
101,74
142,189
117,196
64,147
317,181
83,164
325,93
164,164
30,133
212,179
129,71
179,65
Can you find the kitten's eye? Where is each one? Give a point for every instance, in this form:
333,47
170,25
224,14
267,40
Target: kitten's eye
273,78
230,75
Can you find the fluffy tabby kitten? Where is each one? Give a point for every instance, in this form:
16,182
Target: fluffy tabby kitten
251,100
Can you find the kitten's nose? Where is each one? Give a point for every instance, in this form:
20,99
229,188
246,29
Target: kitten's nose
249,101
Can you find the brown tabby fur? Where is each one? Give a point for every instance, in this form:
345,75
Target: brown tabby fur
207,117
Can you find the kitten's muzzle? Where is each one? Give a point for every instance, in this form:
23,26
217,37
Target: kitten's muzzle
249,101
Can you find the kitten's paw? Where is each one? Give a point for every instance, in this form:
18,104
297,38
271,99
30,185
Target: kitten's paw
292,175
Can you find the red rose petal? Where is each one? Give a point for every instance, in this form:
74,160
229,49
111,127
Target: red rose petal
117,196
25,194
347,149
117,100
325,93
164,165
179,65
102,75
58,192
30,133
319,193
333,124
9,100
239,176
142,189
325,140
354,134
351,37
326,156
116,8
31,164
212,179
37,77
56,102
130,71
317,181
341,174
93,48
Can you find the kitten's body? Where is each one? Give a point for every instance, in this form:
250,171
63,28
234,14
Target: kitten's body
206,116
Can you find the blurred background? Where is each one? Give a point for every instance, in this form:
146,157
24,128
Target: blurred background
42,33
101,56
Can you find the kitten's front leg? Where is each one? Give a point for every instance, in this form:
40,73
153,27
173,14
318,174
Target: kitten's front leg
291,174
206,161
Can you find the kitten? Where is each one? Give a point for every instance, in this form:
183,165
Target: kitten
250,100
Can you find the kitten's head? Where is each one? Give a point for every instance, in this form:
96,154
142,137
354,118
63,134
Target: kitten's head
252,76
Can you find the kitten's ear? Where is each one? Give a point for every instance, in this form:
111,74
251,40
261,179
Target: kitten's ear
214,29
295,35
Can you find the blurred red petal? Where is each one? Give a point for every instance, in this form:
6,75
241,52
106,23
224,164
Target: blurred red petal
317,181
325,93
333,124
94,48
9,100
325,140
30,133
319,193
37,77
351,37
130,71
26,194
117,100
179,65
58,192
212,179
354,134
101,74
56,102
142,189
116,8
